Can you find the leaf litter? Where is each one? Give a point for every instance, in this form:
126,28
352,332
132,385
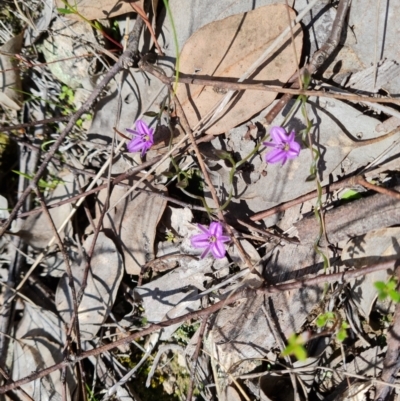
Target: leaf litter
275,283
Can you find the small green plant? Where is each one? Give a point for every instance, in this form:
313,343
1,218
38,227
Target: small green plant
332,322
351,195
67,94
295,347
388,290
42,184
169,236
91,395
342,333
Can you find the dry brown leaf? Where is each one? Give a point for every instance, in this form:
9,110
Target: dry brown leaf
95,9
103,282
10,82
134,222
34,354
35,229
39,322
227,48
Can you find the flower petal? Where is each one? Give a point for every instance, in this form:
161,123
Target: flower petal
291,136
204,229
285,157
272,144
135,145
294,147
200,241
206,251
278,135
216,229
218,250
275,156
224,238
133,132
141,127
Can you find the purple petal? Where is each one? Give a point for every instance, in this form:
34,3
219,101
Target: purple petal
224,238
216,229
293,152
133,132
285,157
206,251
291,137
135,145
141,127
278,135
200,240
204,229
218,250
272,144
275,156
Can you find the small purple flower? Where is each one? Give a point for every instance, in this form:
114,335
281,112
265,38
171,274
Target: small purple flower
211,239
142,138
285,147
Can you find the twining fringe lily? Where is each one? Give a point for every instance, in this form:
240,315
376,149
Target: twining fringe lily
285,147
212,240
142,138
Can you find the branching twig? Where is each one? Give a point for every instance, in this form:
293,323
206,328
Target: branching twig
124,61
211,187
246,293
195,357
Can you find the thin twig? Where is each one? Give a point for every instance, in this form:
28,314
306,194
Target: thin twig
211,187
257,86
74,323
195,357
279,340
318,59
245,293
124,61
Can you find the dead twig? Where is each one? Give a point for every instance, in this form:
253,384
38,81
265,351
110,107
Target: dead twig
257,86
245,293
195,357
124,61
74,324
211,187
319,57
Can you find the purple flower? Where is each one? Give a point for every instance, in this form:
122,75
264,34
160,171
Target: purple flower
142,138
211,239
285,147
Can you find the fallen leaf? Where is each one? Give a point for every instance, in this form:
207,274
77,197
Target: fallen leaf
103,281
167,295
35,229
40,336
35,354
237,42
10,81
37,321
133,222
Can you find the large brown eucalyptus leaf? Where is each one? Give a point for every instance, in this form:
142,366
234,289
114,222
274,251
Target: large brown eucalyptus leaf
226,49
